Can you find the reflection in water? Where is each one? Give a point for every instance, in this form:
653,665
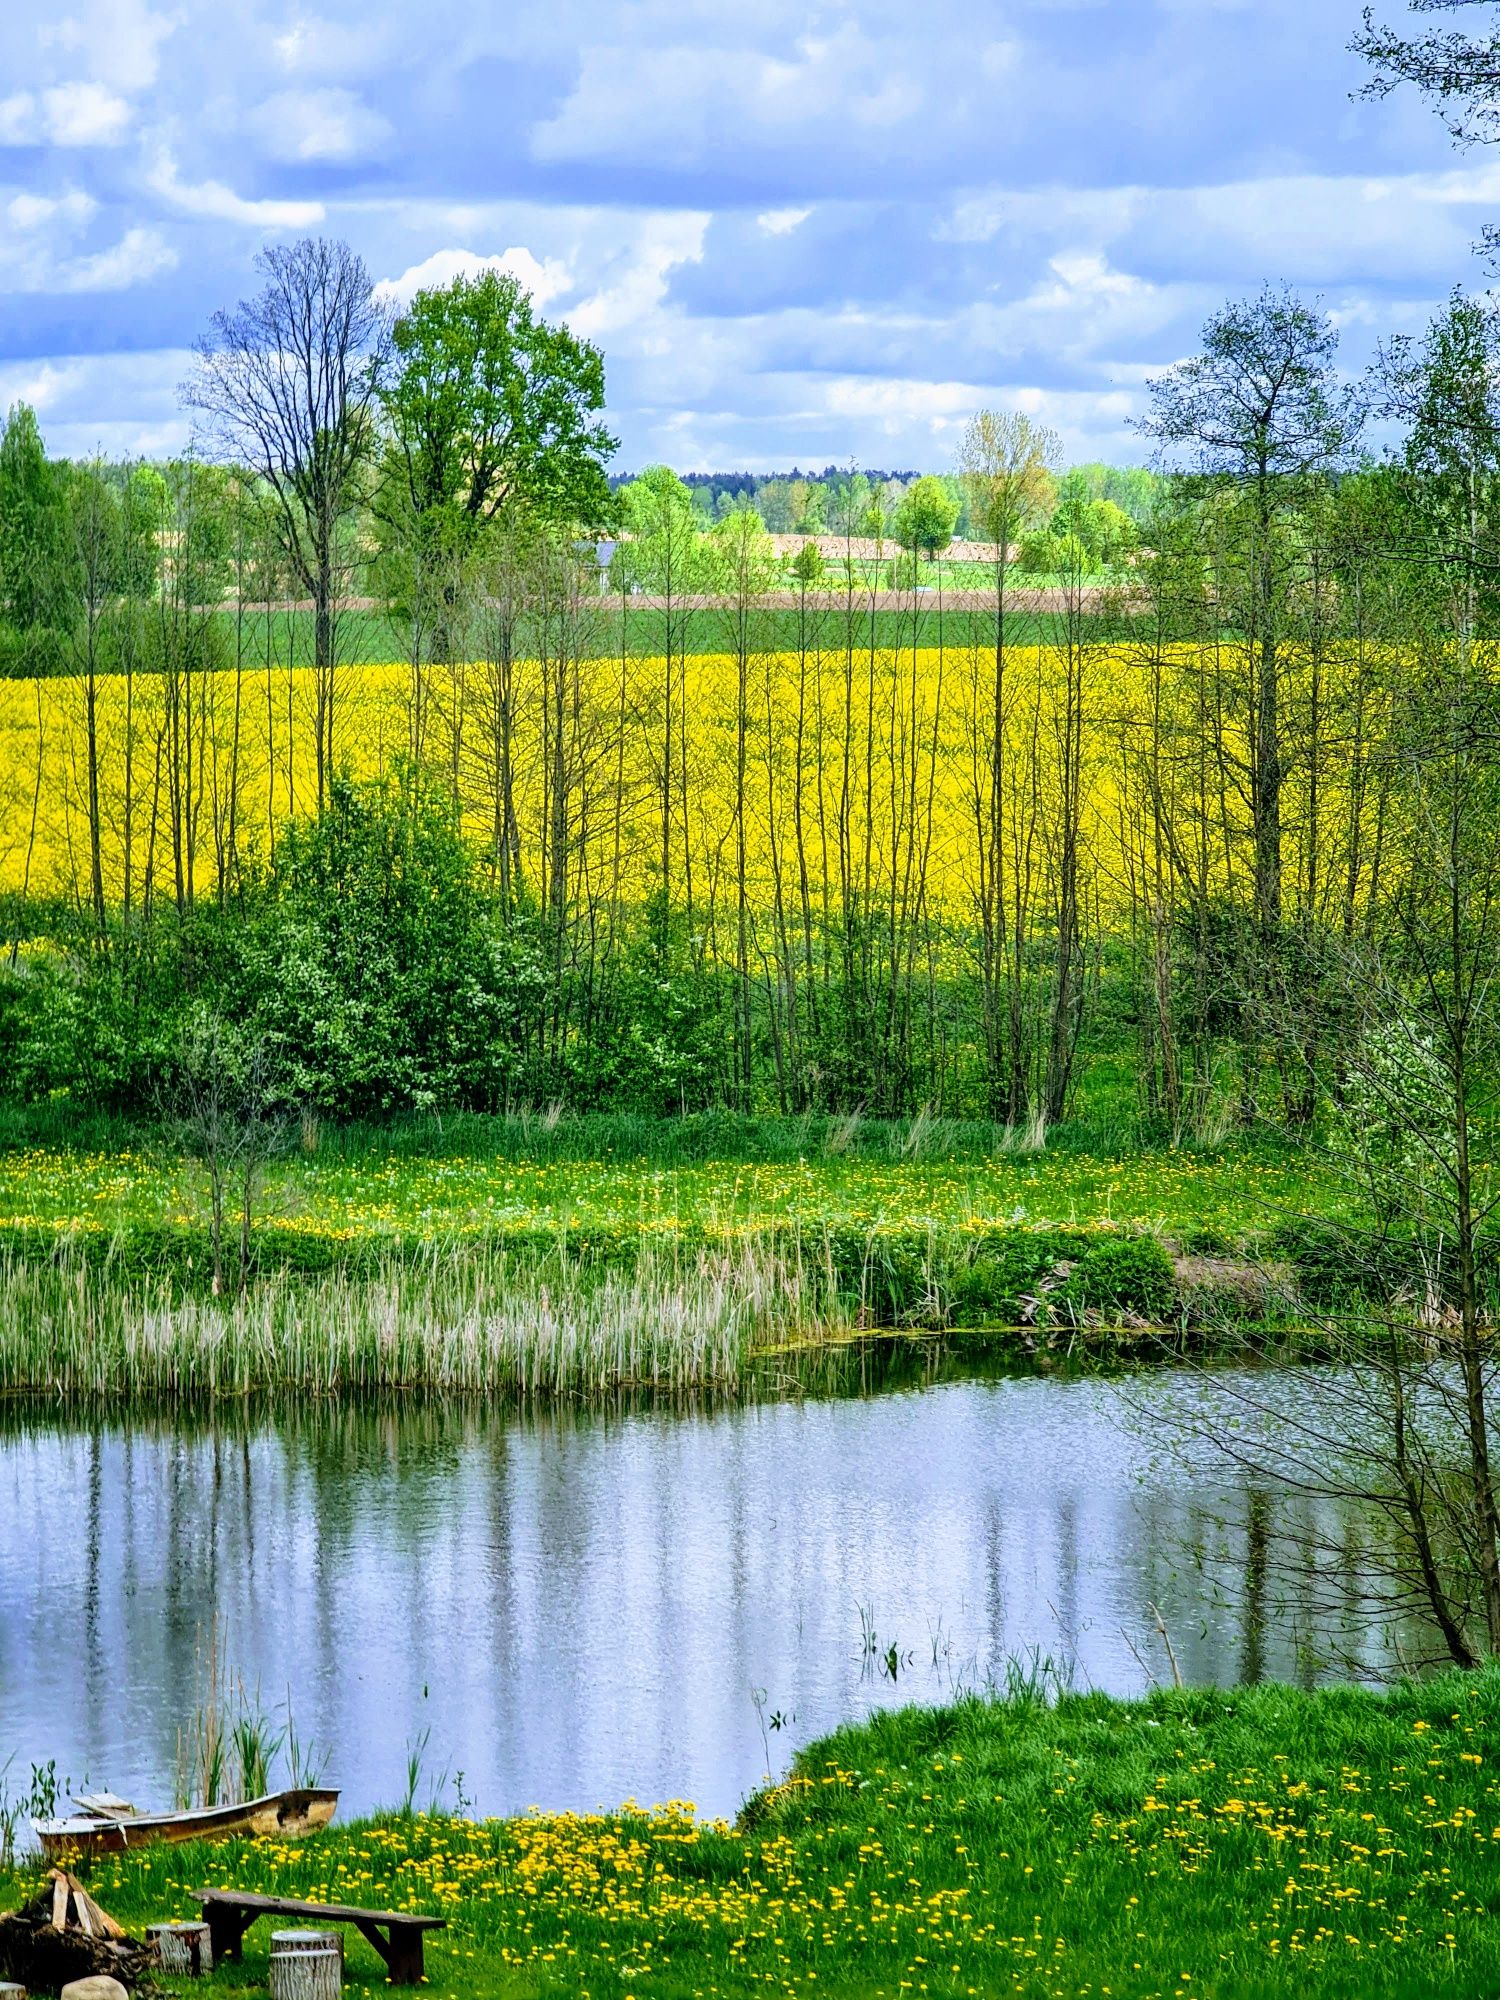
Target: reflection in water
578,1607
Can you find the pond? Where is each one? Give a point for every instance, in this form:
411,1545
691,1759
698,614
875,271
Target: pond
572,1609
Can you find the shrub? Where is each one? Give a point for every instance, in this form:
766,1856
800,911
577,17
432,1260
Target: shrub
1126,1273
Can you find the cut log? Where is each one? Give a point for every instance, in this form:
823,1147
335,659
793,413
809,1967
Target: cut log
10,1991
306,1965
183,1950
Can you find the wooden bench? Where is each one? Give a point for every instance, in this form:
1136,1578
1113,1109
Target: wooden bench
395,1934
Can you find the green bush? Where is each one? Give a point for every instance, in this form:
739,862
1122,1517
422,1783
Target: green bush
1126,1274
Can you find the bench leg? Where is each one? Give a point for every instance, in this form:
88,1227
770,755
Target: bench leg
401,1948
405,1960
226,1931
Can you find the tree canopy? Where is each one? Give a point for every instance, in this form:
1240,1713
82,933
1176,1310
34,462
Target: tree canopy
488,405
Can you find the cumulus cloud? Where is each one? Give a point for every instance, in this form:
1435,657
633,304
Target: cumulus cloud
37,253
218,203
689,94
70,114
138,256
781,221
118,41
119,404
312,45
624,303
310,126
544,278
35,211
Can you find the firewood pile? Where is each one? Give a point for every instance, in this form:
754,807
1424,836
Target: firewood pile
62,1935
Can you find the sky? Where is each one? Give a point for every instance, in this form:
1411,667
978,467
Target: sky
801,231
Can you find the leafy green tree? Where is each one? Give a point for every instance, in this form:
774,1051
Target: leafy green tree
489,407
35,542
1047,553
1446,391
383,981
925,519
1103,529
1005,469
666,551
806,566
848,502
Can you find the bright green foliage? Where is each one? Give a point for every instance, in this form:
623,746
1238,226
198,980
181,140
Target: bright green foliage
807,566
1200,1845
925,519
1105,532
1049,554
667,552
380,980
34,542
1127,1273
489,407
742,554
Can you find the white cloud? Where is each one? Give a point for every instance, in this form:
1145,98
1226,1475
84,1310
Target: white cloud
897,406
85,114
139,392
544,280
140,254
218,203
18,119
313,46
688,95
34,211
306,126
30,263
625,305
118,40
42,384
782,221
69,114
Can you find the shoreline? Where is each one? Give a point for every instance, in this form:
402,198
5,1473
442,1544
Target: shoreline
1201,1843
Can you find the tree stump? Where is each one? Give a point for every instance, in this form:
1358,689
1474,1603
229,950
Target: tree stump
306,1965
10,1991
183,1950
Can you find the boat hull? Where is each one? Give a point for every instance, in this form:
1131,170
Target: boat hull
280,1815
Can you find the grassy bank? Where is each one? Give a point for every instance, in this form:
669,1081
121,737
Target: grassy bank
1258,1842
553,1257
528,1178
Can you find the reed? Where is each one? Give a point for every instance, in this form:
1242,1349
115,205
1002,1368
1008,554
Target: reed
476,1318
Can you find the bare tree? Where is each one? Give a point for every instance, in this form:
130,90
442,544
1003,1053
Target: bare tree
1260,411
217,1099
286,385
1400,1426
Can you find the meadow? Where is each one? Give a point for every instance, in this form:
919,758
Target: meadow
582,1179
1189,1846
546,1255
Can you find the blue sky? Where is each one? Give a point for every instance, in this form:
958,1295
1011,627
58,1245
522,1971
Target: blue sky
798,231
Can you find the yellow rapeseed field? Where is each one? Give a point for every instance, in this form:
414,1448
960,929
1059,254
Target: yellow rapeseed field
869,772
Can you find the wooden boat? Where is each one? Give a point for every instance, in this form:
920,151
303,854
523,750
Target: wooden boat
97,1830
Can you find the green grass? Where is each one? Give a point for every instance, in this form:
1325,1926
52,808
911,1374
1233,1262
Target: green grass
1202,1846
369,635
620,1177
538,1256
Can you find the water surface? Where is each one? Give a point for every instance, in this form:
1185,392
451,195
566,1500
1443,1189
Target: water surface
580,1609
